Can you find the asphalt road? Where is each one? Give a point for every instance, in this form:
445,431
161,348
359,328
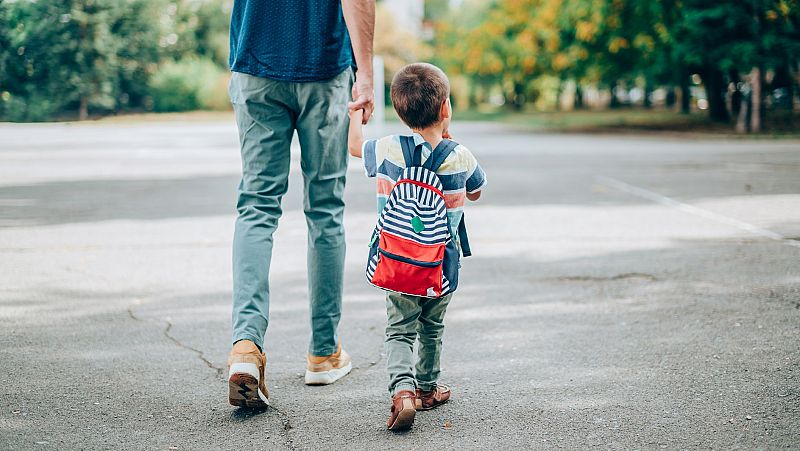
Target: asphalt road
626,293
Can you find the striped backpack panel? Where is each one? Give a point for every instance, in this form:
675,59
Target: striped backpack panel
412,250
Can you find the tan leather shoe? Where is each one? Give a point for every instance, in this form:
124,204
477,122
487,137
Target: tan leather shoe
246,385
324,370
427,400
403,411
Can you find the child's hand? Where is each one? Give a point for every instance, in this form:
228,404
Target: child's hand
356,115
355,139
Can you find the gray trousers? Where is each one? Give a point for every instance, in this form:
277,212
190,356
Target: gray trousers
268,112
411,318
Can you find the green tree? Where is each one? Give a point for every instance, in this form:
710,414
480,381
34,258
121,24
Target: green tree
511,44
726,39
78,54
195,28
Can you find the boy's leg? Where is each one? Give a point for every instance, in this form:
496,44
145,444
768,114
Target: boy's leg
402,312
265,125
322,128
430,328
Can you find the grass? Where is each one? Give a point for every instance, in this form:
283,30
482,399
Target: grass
630,120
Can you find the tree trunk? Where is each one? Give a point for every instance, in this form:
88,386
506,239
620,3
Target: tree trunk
646,99
756,100
743,110
518,96
559,94
669,100
736,95
783,81
578,96
614,100
686,95
790,87
793,79
472,96
83,110
715,86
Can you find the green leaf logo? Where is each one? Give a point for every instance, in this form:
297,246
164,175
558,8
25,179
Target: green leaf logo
416,223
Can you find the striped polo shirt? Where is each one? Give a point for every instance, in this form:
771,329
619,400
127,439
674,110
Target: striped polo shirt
460,173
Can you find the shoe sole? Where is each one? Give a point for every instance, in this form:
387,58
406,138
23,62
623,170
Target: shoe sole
243,391
405,418
327,377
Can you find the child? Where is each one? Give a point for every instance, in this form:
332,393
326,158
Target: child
420,94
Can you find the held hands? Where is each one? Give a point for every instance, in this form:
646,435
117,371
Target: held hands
356,116
363,97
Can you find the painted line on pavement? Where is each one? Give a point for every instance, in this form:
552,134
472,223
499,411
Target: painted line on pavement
692,210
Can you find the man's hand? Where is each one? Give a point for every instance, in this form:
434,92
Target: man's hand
363,96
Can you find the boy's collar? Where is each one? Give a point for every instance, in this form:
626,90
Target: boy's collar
418,139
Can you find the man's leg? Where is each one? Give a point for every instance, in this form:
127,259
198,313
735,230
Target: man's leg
322,129
266,124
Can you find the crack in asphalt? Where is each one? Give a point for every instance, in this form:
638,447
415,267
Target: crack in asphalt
287,427
220,371
285,418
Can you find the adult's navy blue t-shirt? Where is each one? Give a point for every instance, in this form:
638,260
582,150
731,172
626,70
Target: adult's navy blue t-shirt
290,40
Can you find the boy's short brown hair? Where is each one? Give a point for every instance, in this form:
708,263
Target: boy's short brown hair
418,92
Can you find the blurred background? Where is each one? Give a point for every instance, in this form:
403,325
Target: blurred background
667,64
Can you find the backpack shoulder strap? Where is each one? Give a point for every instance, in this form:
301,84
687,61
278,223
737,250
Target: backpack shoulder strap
410,154
462,237
440,154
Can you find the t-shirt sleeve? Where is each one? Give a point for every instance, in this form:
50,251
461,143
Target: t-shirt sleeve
370,157
477,177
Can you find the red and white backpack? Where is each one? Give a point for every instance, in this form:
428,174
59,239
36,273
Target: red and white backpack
412,249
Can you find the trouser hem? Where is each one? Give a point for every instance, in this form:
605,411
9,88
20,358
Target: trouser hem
427,387
325,352
403,386
247,336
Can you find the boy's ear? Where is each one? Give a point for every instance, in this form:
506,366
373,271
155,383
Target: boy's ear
444,111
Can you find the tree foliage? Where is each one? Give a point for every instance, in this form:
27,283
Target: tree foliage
102,56
99,55
604,43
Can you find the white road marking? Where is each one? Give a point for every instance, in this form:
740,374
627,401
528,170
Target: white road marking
692,210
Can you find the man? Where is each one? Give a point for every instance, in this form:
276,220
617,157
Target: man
292,71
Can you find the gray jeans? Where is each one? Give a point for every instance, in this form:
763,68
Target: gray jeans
268,112
411,318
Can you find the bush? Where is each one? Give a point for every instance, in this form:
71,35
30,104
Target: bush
32,108
189,84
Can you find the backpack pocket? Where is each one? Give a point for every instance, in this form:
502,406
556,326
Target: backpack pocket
408,267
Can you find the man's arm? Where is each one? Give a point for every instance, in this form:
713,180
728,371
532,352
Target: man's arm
355,139
359,15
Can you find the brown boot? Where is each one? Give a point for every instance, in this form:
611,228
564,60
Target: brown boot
427,400
246,386
403,411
